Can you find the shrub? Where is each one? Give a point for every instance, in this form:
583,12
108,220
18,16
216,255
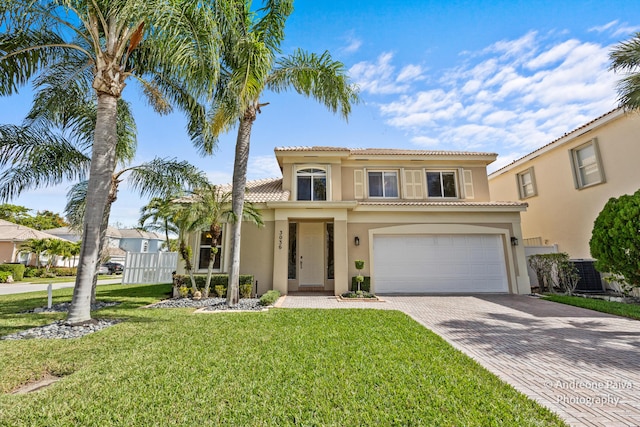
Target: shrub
245,290
4,275
358,294
216,280
16,270
365,285
64,271
33,272
270,297
221,291
555,271
615,241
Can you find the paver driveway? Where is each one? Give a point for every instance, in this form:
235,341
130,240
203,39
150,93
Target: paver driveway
582,364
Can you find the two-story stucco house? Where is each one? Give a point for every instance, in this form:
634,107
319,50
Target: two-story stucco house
568,181
421,220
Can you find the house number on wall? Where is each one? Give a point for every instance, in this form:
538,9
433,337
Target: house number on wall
280,240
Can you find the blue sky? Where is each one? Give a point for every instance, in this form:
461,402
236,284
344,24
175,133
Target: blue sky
496,76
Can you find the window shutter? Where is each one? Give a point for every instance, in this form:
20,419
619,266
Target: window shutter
468,183
358,184
413,184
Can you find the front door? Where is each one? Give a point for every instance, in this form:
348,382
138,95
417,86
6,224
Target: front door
311,258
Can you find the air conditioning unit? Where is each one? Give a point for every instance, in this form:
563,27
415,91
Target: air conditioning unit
590,280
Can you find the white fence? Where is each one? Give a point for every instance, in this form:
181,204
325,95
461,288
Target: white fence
149,267
537,250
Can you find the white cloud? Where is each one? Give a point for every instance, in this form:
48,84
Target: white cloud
378,78
605,27
512,96
218,177
353,45
263,167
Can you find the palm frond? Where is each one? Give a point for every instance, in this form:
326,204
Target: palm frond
625,58
76,204
162,177
316,76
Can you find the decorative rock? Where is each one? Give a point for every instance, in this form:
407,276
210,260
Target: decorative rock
63,307
209,304
62,330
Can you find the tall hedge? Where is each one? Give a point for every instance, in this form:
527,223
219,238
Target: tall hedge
16,270
615,240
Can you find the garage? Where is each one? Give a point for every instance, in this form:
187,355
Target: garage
438,263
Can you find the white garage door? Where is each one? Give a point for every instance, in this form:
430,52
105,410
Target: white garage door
439,263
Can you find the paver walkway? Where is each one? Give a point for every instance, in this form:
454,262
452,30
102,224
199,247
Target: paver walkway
583,365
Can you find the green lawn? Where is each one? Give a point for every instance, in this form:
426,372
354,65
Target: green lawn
60,279
281,367
631,311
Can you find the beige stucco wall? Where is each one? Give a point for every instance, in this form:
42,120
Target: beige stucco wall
561,214
6,252
256,254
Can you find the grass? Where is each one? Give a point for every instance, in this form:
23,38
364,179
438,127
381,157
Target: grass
59,279
277,368
631,311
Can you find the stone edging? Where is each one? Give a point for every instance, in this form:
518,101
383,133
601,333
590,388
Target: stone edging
376,299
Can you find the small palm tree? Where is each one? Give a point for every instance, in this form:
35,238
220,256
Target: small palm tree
625,57
159,212
36,247
249,67
213,208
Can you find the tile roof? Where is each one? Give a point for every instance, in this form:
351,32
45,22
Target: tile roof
385,151
20,233
442,203
134,233
260,191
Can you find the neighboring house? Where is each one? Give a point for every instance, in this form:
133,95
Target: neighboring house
421,220
568,181
120,241
12,236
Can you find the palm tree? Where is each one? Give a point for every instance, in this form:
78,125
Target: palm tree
249,67
170,48
625,57
186,220
37,247
212,208
159,211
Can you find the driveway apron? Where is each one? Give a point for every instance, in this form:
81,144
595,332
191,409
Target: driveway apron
582,364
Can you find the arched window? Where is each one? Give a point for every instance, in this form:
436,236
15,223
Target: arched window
312,184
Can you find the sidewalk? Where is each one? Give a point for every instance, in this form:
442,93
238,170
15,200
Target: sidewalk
22,287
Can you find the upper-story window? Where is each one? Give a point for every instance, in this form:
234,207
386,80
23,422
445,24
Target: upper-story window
383,184
587,166
527,184
442,184
312,184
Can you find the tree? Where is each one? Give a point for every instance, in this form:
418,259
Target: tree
37,247
171,48
14,213
249,67
615,239
625,58
212,208
159,211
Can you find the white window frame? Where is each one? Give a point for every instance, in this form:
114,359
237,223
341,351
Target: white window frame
299,168
577,167
441,171
201,246
383,172
522,184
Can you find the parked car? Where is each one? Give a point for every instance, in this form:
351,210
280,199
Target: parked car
114,267
103,269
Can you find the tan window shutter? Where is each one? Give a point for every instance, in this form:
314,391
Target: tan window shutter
413,184
468,183
358,183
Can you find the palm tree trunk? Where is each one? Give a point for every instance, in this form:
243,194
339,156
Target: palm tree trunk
103,238
103,160
237,201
